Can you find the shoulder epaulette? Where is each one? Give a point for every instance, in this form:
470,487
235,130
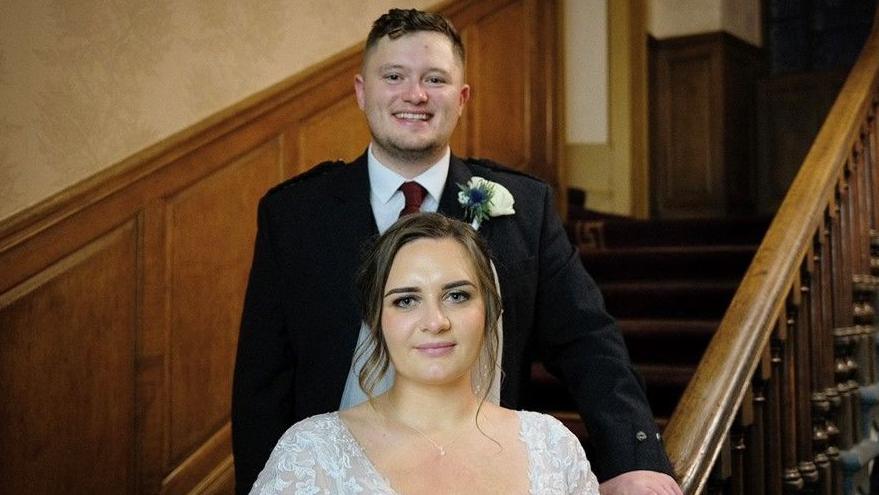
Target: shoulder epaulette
315,171
497,167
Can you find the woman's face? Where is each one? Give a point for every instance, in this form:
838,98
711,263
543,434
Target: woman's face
433,314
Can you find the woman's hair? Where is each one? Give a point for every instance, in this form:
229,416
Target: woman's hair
373,275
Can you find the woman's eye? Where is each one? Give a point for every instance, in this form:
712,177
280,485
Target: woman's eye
404,302
459,296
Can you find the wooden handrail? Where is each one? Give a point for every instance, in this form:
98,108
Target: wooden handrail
698,428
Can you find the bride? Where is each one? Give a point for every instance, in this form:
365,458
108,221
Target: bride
428,293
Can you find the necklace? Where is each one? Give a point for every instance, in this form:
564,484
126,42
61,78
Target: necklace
441,449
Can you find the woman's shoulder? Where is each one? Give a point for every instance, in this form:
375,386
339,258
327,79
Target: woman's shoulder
327,425
317,422
544,432
314,456
533,420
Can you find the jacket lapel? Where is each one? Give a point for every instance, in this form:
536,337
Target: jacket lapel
459,173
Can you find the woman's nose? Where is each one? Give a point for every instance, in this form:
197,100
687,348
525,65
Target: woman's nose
435,319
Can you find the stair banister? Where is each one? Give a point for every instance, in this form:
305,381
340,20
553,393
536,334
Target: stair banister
700,424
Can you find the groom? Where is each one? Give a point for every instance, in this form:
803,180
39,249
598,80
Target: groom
300,324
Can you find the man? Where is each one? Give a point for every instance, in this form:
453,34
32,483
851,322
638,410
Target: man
300,324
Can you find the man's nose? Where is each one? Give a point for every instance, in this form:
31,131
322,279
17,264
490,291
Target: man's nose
414,92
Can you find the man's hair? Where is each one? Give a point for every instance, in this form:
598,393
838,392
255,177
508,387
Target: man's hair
373,275
399,22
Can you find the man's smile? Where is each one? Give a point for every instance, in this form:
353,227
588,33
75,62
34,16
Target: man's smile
417,116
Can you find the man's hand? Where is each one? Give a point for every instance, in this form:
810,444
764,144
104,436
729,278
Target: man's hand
641,483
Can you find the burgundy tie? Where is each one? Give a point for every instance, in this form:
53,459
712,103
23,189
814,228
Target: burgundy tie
414,194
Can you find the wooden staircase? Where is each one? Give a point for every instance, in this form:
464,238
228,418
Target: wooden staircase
668,284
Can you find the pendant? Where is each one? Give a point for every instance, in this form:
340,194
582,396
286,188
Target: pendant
442,451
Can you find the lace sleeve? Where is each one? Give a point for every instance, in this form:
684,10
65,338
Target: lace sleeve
292,467
557,463
579,475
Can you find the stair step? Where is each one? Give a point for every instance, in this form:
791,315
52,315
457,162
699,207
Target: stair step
675,375
667,341
691,262
615,232
668,283
665,375
664,385
665,328
698,299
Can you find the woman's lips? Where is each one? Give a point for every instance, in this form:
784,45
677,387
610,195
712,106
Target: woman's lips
436,349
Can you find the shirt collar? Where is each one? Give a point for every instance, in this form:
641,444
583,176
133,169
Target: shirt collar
384,182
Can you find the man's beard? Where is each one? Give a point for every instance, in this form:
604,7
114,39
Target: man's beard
409,153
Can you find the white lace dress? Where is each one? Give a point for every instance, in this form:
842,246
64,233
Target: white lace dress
319,455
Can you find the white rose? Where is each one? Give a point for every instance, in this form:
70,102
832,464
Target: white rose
501,201
476,182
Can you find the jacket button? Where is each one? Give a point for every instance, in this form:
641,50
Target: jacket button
641,436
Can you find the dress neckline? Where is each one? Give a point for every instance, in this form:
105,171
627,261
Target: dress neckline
360,451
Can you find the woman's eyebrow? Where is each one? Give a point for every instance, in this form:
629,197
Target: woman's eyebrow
458,283
401,290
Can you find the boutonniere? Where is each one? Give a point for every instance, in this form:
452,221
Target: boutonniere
483,199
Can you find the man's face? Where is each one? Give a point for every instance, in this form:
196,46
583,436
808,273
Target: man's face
412,93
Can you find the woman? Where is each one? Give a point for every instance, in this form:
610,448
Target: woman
428,293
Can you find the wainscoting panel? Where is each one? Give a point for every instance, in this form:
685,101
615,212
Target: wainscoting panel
67,334
338,132
692,102
702,125
120,298
211,227
502,91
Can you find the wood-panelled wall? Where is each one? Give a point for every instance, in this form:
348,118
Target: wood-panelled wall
120,298
702,125
790,110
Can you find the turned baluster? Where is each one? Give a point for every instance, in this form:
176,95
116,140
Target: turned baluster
869,172
824,324
849,252
738,447
792,478
841,319
798,322
810,325
757,461
776,456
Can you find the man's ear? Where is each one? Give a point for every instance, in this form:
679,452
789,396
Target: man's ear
463,97
358,91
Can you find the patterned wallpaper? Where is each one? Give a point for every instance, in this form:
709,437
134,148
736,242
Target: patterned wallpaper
85,84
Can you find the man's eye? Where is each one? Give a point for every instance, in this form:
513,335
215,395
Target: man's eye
392,77
436,80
